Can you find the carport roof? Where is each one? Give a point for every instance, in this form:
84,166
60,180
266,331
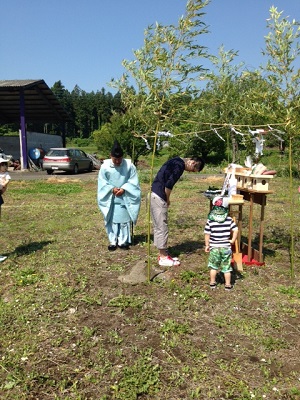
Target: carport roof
41,105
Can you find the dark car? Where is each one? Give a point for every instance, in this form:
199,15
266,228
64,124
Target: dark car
67,159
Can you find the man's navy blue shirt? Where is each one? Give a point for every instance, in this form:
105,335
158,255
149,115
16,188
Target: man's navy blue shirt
167,176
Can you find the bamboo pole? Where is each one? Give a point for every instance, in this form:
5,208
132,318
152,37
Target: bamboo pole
148,204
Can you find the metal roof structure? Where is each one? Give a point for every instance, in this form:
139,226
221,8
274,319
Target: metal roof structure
39,102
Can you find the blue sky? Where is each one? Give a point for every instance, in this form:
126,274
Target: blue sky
83,42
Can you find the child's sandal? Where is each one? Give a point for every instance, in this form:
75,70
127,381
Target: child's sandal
230,287
213,285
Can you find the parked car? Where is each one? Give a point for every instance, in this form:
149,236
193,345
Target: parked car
66,159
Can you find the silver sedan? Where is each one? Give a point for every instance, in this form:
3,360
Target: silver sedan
66,159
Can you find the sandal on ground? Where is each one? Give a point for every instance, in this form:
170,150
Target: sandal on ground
229,287
213,285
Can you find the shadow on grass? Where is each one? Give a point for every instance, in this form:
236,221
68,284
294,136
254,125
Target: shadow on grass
193,246
190,246
29,248
137,239
267,251
185,247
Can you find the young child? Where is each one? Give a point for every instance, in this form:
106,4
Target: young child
217,234
4,180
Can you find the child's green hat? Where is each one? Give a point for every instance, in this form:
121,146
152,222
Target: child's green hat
219,211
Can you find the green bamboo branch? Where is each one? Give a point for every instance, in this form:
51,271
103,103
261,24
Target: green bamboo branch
148,204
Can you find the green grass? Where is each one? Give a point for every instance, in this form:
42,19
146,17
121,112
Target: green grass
70,329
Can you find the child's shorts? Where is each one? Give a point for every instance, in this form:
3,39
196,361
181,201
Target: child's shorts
220,258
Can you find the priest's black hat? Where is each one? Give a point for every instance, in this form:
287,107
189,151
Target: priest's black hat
116,150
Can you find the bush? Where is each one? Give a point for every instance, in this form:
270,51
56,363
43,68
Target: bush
80,142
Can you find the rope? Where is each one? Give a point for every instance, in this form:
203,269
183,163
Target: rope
214,128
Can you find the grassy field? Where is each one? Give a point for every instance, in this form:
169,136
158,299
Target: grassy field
71,329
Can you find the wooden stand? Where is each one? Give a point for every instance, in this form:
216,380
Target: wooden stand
238,215
254,189
260,198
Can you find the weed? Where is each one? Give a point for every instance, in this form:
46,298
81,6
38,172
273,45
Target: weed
141,378
170,326
114,337
26,276
272,344
295,392
291,291
189,276
88,332
92,300
123,302
115,267
185,293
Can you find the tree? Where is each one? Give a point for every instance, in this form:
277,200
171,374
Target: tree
165,69
120,127
234,96
105,105
282,50
64,97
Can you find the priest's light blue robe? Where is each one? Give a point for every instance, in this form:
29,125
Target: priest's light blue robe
118,209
